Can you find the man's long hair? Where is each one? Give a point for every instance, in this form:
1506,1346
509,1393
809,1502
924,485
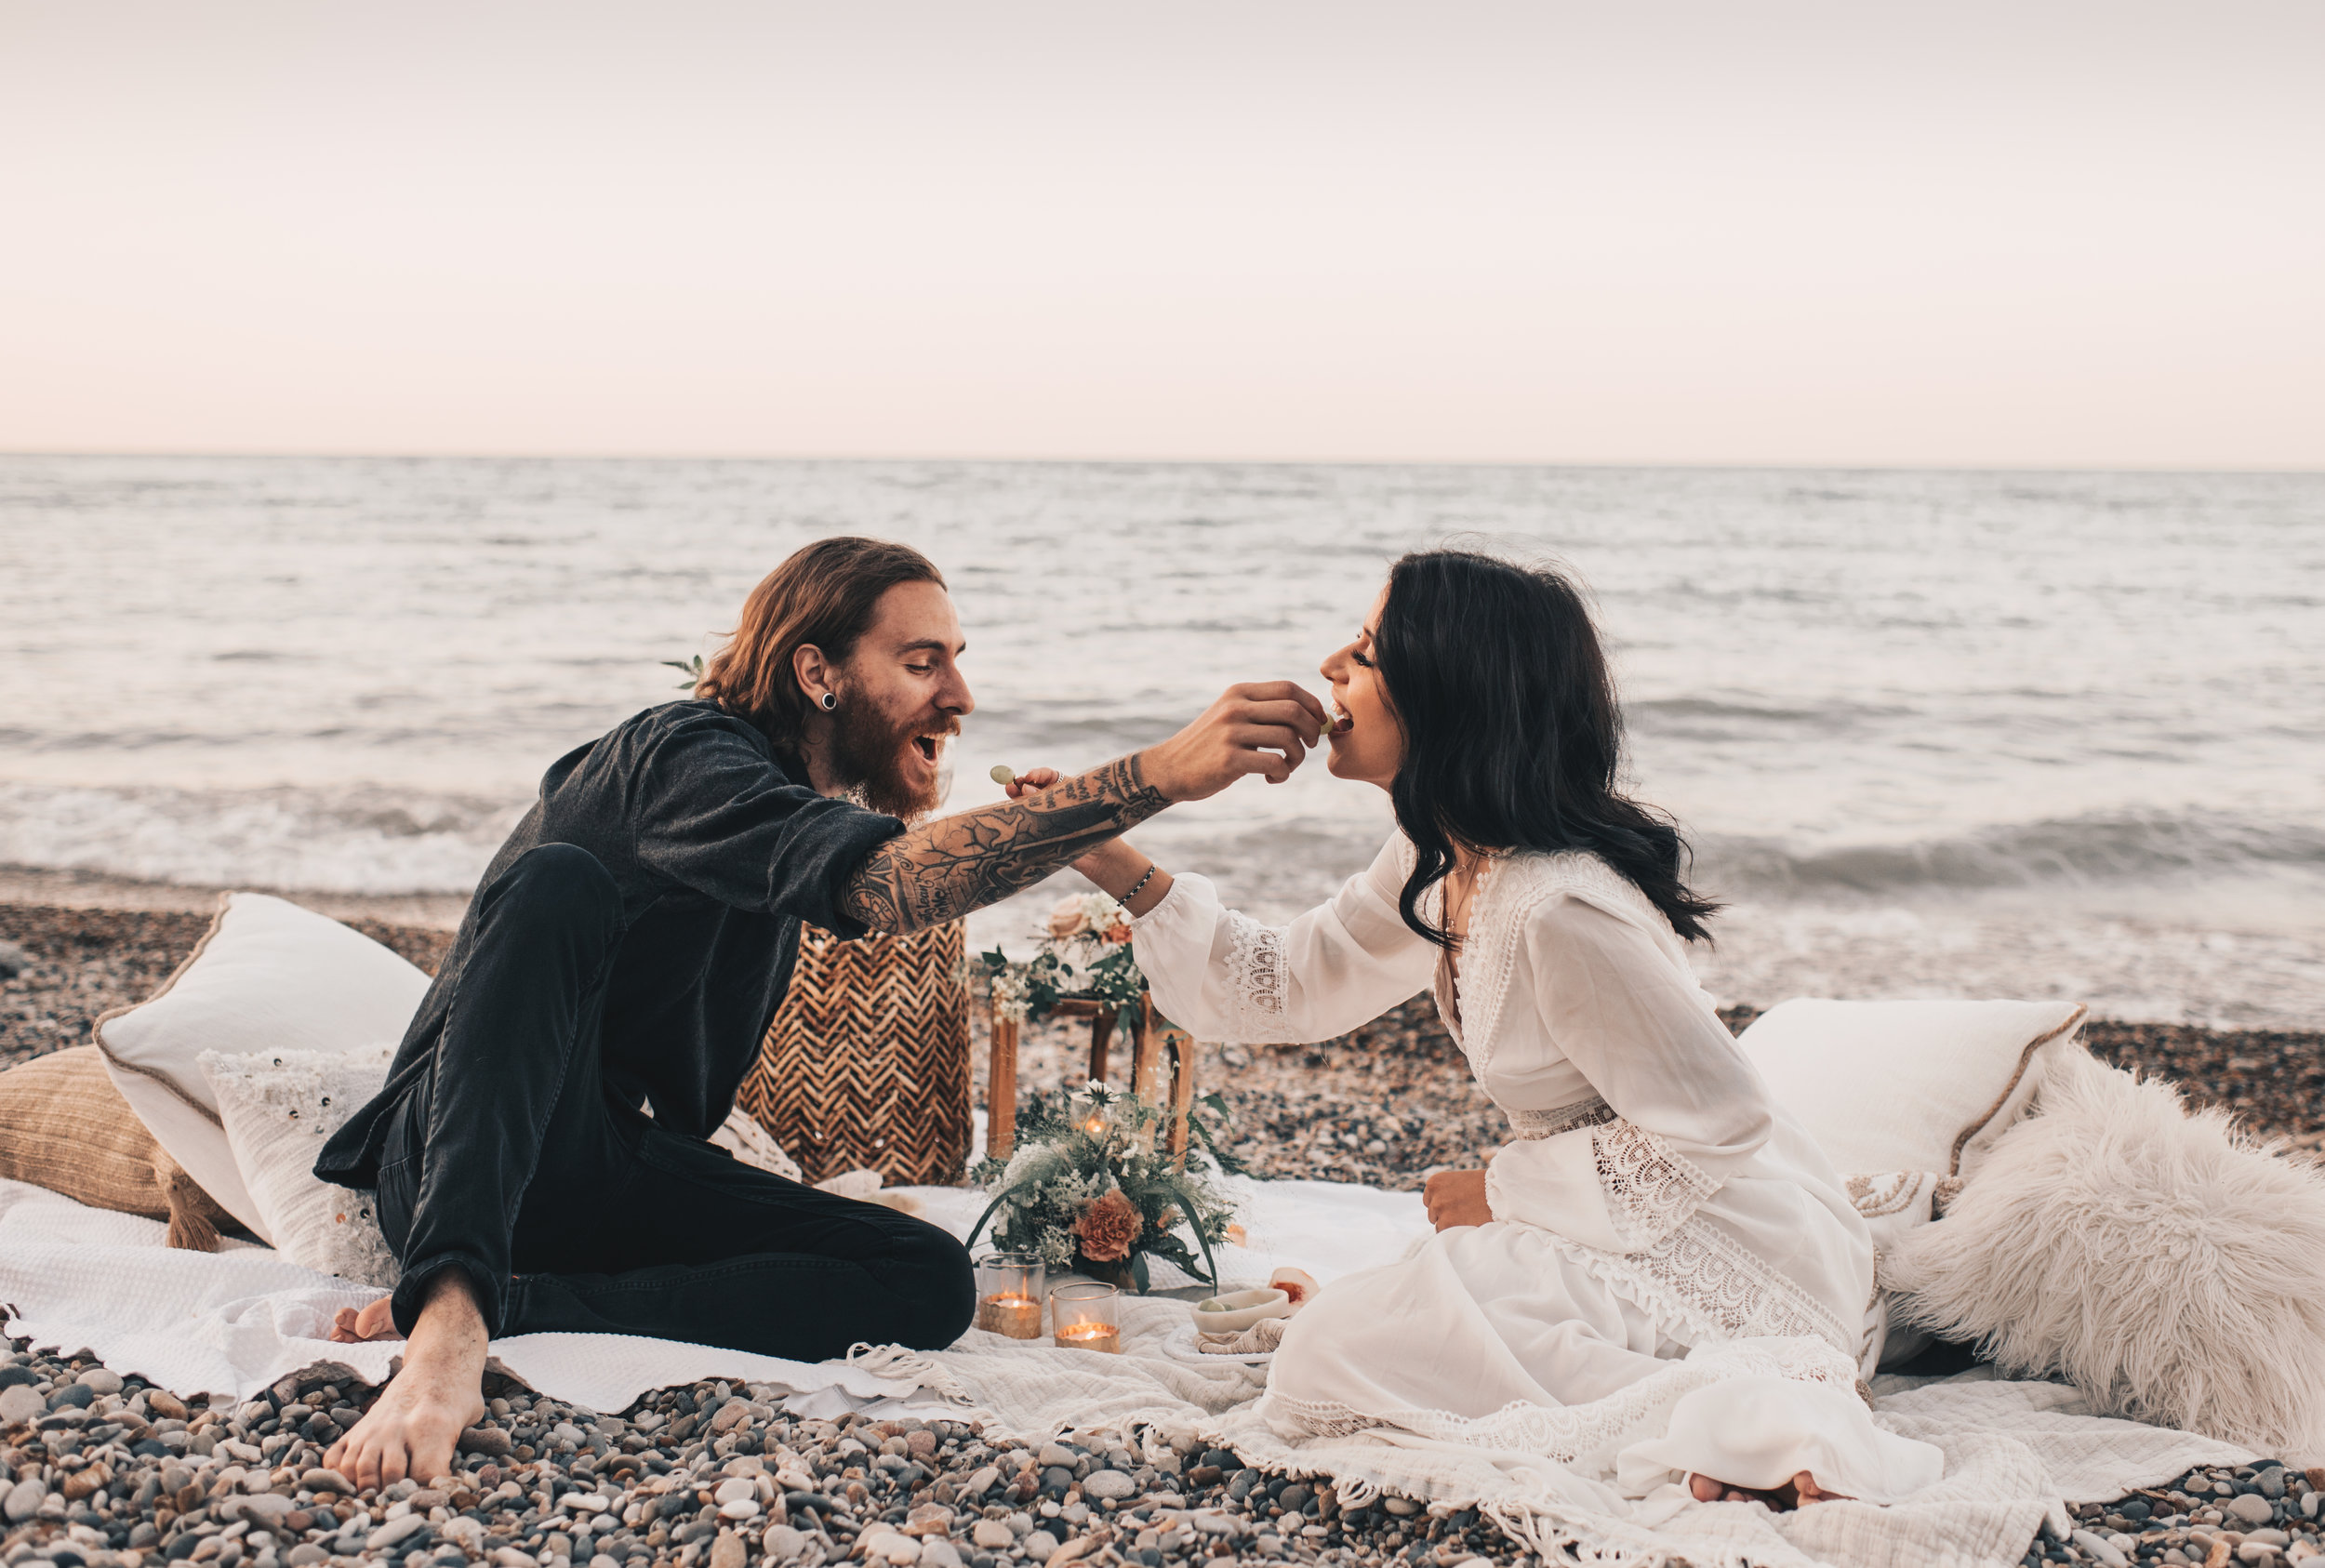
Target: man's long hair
825,596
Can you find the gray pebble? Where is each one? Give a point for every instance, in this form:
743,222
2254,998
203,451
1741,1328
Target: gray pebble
2250,1507
395,1530
1039,1546
23,1498
2271,1482
265,1510
1106,1484
2101,1547
14,961
19,1405
106,1381
938,1552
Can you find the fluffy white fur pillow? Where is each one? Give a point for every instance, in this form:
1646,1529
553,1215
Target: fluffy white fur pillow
278,1107
2169,1265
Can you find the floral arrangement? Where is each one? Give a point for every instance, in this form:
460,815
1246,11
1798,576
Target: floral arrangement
1084,951
1092,1187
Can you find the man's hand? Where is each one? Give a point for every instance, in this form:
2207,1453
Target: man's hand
1456,1198
1031,781
1264,727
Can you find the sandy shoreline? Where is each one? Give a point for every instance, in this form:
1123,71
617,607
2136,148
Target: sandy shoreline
95,890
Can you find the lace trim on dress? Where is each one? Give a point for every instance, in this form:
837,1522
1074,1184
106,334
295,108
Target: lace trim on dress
1591,1112
1650,1191
1584,1436
1497,925
1258,982
1702,1286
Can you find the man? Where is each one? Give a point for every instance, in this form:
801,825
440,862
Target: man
629,946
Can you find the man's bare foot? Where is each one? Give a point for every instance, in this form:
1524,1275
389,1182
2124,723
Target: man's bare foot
413,1427
1799,1492
374,1322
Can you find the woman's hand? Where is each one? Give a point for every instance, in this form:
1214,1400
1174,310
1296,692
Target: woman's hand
1456,1198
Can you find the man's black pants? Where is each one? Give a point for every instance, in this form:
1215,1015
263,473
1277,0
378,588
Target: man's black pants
570,1211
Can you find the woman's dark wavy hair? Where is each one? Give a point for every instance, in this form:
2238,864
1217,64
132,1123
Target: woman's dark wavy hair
1511,732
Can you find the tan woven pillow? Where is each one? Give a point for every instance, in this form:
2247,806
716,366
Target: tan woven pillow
65,1127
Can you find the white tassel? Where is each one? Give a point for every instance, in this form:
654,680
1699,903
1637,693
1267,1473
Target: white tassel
896,1364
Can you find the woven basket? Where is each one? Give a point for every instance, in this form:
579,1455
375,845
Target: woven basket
867,1063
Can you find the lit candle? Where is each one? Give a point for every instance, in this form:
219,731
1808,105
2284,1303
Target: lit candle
1091,1337
1016,1317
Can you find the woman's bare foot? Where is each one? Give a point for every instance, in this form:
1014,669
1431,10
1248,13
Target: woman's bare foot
1799,1492
413,1427
374,1322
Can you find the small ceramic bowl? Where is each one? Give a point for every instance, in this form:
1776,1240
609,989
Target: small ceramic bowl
1236,1311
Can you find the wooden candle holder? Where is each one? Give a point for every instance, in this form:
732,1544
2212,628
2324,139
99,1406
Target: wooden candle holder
1163,1067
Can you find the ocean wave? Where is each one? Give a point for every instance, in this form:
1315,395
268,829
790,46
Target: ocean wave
359,839
2098,848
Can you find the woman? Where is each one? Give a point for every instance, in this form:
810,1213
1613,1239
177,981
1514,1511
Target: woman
1653,1205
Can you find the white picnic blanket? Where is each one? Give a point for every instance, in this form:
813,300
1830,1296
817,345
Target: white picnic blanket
234,1321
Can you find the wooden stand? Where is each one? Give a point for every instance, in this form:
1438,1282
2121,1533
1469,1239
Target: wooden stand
1162,1061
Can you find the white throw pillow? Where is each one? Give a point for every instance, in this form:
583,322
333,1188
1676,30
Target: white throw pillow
278,1107
268,976
1908,1085
742,1136
2165,1263
1894,1203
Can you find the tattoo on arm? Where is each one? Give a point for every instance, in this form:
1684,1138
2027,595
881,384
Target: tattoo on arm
942,870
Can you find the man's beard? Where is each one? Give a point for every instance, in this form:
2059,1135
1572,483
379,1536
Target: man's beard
869,753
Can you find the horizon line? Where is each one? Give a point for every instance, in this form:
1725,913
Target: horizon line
1697,465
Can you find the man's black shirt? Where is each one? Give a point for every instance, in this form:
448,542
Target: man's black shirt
719,855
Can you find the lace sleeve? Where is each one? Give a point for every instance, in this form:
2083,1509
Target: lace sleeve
1651,1189
1225,977
1259,980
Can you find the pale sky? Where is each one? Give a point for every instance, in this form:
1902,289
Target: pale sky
1958,234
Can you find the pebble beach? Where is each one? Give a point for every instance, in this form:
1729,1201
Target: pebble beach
99,1470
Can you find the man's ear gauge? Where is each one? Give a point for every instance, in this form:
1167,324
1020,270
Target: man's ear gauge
827,701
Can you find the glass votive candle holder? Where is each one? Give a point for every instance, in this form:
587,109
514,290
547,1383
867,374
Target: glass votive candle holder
1009,1294
1082,1317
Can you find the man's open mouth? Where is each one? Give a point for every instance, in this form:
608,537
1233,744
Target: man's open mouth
927,745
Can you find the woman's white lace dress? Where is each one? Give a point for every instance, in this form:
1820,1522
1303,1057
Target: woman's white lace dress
1653,1205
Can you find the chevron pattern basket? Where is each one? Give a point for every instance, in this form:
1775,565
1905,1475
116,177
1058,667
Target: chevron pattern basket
867,1063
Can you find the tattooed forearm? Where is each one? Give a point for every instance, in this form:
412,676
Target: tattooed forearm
944,868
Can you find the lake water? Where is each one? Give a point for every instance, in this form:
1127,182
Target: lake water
1966,733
